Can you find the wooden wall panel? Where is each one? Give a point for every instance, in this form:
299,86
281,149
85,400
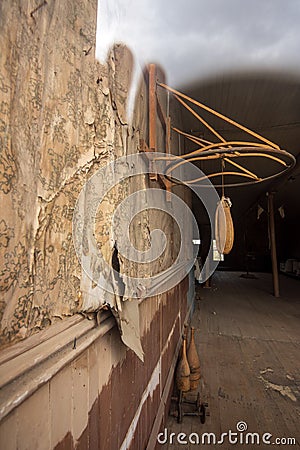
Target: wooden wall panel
33,431
60,405
93,407
8,432
105,391
80,391
104,362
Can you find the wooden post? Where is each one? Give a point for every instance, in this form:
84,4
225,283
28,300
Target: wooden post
152,112
152,107
271,222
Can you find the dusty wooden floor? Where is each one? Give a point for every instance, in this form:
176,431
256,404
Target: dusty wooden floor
249,345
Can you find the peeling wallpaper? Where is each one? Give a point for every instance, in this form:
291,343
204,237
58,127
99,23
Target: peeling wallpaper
58,122
62,116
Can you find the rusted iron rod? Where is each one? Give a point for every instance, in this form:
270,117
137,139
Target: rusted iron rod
200,119
216,113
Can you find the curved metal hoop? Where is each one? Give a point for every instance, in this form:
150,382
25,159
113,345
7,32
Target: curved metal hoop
227,151
227,154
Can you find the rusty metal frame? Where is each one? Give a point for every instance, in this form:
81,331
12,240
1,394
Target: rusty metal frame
224,149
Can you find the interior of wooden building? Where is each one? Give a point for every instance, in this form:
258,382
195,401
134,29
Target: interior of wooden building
95,350
267,103
246,317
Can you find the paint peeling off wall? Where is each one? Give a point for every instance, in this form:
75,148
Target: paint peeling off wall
62,115
62,118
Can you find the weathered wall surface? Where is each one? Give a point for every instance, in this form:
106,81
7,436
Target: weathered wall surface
106,398
57,118
62,117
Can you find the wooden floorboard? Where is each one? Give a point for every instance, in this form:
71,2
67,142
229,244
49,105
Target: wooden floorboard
249,345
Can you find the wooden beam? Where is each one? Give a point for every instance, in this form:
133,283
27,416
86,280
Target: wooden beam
161,115
152,112
147,152
152,107
271,222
